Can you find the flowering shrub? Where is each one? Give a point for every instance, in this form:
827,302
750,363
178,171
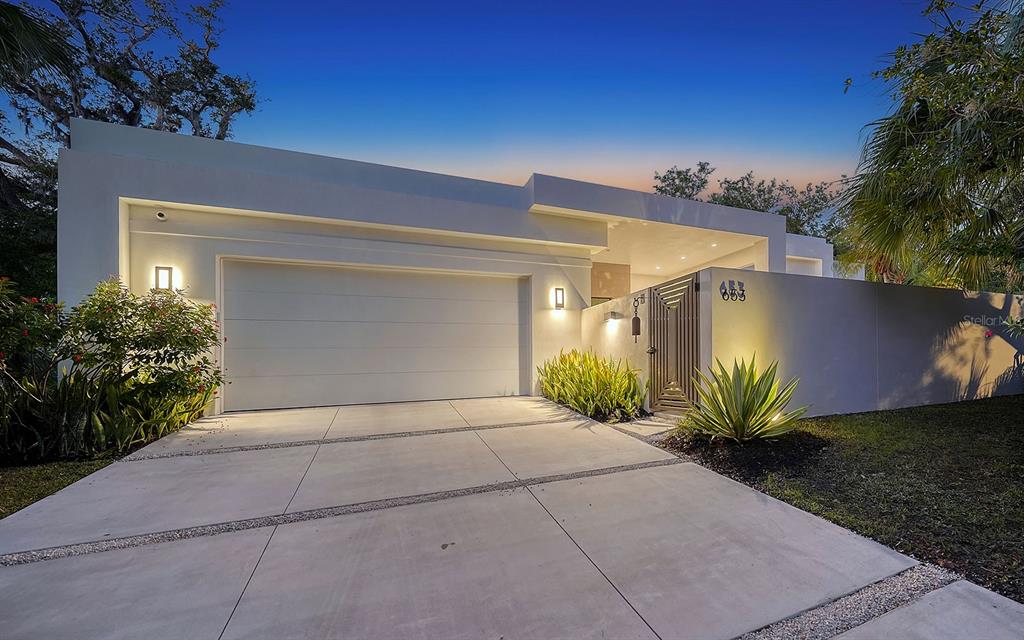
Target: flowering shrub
131,368
162,338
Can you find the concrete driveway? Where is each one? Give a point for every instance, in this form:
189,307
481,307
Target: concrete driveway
482,518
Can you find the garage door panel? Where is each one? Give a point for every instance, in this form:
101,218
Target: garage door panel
323,361
315,335
301,335
281,391
284,278
336,308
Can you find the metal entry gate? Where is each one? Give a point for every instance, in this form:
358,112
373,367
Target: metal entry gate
675,343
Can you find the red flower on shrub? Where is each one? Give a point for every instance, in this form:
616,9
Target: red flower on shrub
34,300
202,388
76,358
24,332
988,333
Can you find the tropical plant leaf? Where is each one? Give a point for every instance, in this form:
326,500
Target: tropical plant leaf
601,388
742,404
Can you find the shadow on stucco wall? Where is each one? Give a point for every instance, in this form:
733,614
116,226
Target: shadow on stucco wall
963,351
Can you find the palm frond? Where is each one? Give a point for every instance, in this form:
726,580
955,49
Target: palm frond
28,43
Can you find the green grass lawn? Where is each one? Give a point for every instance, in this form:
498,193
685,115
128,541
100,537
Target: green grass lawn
21,486
943,483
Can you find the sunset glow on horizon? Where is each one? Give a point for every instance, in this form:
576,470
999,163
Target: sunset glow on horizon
598,92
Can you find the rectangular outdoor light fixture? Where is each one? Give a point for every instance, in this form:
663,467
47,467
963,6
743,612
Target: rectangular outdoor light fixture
559,298
164,278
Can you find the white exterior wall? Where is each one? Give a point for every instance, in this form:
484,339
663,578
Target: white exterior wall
804,266
196,244
810,256
864,346
612,337
572,198
227,200
107,224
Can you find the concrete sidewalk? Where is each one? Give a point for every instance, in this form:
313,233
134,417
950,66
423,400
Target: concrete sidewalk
503,517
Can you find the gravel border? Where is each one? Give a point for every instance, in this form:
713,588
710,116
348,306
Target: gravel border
126,542
847,612
139,457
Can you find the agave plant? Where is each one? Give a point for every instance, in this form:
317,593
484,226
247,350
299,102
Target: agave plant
743,404
601,388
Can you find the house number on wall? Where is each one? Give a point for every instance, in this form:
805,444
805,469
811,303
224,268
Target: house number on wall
734,291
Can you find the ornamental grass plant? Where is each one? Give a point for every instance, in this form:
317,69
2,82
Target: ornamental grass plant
601,388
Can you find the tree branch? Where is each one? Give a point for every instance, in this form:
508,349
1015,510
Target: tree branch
19,158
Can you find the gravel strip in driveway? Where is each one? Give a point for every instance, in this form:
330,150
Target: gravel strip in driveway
140,455
126,542
850,611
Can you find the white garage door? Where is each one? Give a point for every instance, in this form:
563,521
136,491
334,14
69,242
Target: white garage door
311,336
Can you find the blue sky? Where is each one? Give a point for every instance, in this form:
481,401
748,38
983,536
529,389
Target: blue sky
602,91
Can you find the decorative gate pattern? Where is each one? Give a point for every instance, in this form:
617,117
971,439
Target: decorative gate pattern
675,343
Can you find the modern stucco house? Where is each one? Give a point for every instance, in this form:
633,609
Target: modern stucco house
342,282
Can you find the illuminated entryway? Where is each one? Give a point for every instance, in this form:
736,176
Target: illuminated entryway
642,254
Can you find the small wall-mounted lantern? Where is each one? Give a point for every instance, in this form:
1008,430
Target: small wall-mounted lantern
559,298
164,278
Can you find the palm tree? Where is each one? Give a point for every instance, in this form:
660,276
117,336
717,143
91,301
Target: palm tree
940,187
27,42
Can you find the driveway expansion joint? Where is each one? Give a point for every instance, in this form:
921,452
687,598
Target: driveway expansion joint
342,439
574,542
127,542
854,609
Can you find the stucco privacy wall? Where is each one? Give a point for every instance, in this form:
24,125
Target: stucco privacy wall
861,346
609,335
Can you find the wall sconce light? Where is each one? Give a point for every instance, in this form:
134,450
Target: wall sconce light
559,298
164,278
612,315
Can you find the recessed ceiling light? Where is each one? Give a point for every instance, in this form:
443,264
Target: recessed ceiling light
682,257
714,244
657,268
